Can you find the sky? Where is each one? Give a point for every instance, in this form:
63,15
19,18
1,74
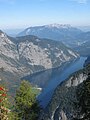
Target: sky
25,13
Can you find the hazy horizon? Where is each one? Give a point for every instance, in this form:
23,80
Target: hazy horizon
17,14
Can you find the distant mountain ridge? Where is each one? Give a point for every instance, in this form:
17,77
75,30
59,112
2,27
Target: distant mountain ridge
70,36
84,28
84,46
59,32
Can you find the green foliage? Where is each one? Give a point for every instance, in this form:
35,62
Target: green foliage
26,105
83,97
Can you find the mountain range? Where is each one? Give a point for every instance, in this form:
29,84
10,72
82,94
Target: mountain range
29,54
41,48
59,32
71,36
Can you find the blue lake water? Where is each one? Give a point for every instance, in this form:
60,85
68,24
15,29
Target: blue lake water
50,79
57,77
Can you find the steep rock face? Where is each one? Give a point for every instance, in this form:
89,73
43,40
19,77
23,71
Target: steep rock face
9,56
61,106
43,52
8,53
11,69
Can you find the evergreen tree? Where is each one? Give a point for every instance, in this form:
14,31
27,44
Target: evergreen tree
26,104
83,97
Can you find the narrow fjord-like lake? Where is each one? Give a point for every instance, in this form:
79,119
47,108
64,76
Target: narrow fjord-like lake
57,77
50,79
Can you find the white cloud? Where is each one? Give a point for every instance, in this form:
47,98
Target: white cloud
81,1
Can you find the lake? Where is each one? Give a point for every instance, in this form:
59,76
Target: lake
57,77
48,80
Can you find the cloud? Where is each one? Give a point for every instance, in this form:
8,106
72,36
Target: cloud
81,1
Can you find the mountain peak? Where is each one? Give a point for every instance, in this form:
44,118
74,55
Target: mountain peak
58,32
2,34
1,31
59,25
